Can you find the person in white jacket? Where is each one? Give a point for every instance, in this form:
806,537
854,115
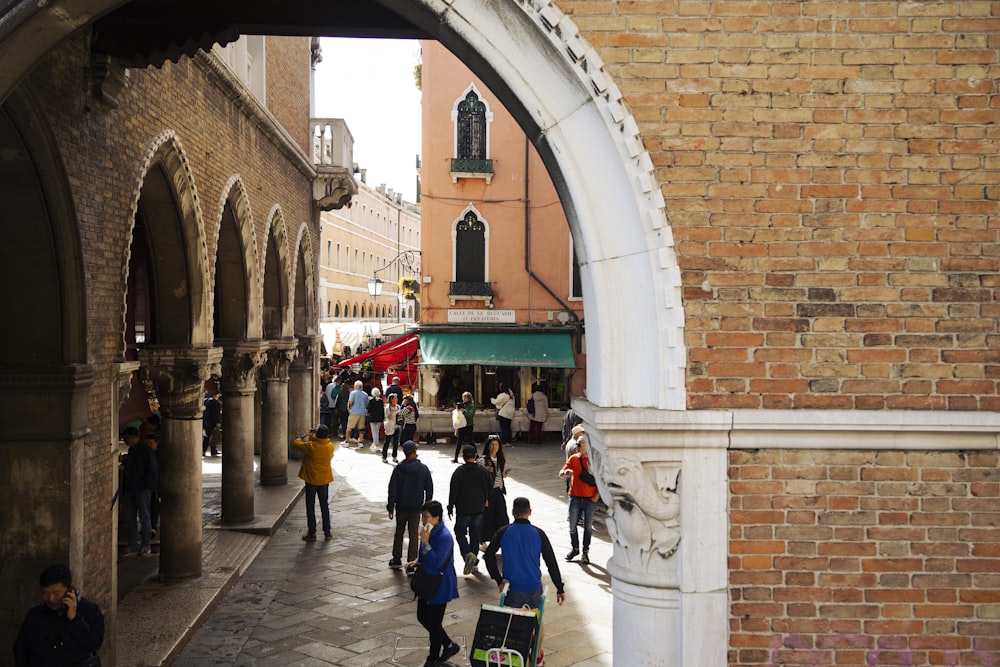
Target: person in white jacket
538,412
505,414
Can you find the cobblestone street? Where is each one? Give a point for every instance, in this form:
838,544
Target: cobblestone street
338,603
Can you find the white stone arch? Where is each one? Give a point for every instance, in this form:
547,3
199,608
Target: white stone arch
486,241
454,117
235,192
275,231
533,58
304,250
166,150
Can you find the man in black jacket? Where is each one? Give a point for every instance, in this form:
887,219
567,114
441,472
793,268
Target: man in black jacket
141,479
410,486
65,629
469,496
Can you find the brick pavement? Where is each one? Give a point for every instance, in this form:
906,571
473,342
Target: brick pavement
338,603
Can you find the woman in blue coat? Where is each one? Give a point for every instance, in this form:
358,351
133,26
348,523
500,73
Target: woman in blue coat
437,556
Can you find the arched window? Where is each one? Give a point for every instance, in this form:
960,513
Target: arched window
470,249
354,311
470,128
336,310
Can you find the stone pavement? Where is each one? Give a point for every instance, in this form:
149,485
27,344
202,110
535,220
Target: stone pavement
338,603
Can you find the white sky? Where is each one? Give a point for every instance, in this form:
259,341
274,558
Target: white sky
369,83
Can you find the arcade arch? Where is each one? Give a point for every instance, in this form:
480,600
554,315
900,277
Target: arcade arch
532,56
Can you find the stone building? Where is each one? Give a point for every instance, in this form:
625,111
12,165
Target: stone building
785,215
501,299
357,242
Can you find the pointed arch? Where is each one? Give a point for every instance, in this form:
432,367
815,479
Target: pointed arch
35,188
277,305
236,281
304,295
165,205
470,247
472,119
555,84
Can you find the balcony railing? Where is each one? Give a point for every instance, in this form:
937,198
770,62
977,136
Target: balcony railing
471,291
471,168
333,144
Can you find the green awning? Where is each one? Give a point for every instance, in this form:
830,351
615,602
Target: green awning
548,350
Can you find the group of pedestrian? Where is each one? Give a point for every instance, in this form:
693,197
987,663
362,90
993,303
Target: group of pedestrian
476,503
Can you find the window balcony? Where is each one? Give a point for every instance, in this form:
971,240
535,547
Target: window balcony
471,291
471,168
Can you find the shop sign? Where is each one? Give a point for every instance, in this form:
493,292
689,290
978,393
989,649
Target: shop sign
480,316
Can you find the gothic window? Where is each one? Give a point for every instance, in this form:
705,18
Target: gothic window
470,249
471,116
471,128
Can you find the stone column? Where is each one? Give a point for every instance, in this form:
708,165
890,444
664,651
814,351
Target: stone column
303,394
179,375
663,475
274,447
43,477
239,383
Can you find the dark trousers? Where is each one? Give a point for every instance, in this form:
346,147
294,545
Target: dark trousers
465,437
506,435
473,525
431,616
406,522
534,431
409,431
394,441
314,492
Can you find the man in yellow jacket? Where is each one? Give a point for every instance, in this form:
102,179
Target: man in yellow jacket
317,473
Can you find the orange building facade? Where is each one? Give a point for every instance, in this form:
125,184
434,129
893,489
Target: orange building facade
500,296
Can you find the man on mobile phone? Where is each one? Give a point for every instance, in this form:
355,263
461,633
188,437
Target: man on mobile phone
65,629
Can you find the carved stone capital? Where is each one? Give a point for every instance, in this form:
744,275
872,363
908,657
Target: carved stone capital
179,374
308,350
280,355
663,475
123,371
239,366
644,509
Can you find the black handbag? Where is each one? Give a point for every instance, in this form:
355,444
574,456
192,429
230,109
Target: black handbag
586,476
424,584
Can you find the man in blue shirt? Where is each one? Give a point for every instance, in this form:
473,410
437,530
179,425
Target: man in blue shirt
522,545
357,410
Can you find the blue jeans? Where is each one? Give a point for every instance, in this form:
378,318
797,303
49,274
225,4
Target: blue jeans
580,506
473,523
138,502
531,599
323,492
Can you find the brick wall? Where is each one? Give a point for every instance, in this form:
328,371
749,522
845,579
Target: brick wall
832,175
288,80
864,558
102,151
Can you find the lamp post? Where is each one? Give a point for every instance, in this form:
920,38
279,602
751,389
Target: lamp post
406,260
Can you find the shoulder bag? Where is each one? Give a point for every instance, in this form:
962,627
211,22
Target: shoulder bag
424,584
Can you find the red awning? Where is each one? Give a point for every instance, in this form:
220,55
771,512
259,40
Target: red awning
399,355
